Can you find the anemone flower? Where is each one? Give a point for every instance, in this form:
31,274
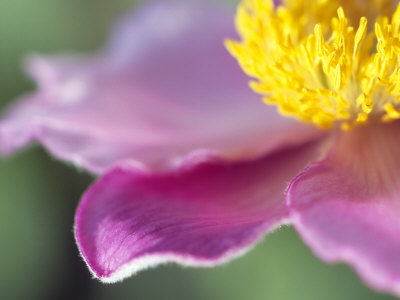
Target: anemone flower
194,168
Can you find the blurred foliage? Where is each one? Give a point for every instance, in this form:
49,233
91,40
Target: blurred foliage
38,197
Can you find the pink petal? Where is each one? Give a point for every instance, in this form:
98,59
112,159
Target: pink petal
199,216
163,90
347,207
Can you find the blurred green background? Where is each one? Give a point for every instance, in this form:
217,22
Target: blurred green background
38,197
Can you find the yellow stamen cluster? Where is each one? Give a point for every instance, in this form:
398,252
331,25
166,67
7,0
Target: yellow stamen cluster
309,60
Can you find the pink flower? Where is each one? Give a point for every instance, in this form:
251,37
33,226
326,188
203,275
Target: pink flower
194,168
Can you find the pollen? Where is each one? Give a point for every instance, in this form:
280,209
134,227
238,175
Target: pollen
335,64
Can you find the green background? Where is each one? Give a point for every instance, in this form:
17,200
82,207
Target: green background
39,195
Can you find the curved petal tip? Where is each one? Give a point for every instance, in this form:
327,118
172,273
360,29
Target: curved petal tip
199,215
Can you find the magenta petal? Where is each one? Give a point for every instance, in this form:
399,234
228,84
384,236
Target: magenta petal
347,207
164,89
199,216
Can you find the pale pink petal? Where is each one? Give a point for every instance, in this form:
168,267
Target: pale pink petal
347,207
164,89
199,216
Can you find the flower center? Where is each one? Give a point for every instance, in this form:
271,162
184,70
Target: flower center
308,59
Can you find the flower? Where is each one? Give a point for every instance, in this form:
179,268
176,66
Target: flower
194,168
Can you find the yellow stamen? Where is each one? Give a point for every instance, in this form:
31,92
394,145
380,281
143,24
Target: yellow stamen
308,59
